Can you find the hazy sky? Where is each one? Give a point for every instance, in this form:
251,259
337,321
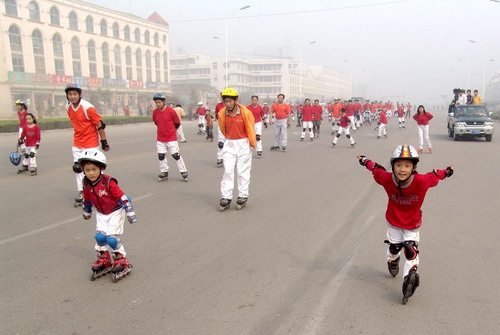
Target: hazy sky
418,49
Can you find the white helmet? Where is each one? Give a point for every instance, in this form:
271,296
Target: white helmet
200,103
404,151
94,156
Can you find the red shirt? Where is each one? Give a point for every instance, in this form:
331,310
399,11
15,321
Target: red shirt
257,111
235,127
317,112
344,121
22,118
357,107
383,118
367,107
165,121
423,118
201,111
218,107
403,206
349,110
307,112
32,135
336,110
105,194
401,112
281,111
266,109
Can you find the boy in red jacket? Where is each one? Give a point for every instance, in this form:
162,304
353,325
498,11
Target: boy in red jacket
406,190
113,206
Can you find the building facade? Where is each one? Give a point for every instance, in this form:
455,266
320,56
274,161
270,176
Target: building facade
117,58
263,77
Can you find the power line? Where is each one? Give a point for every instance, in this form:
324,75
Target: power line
289,13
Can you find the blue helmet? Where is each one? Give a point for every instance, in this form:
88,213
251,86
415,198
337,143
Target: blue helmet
73,87
15,158
159,96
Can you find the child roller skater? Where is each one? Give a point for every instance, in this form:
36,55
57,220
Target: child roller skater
30,136
343,128
406,190
113,206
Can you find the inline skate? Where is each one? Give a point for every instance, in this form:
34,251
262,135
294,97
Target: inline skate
224,204
241,203
102,265
121,267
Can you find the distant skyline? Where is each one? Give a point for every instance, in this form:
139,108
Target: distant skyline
418,50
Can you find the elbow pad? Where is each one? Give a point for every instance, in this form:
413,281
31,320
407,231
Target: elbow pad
103,126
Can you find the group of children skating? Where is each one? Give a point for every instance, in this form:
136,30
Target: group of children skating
405,188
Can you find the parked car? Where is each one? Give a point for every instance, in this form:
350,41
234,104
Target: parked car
470,121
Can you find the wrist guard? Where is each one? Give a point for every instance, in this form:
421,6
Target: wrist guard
104,144
449,171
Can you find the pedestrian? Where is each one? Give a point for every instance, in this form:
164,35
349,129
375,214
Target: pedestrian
201,112
462,99
30,137
307,120
406,191
367,118
476,99
317,117
422,117
258,114
469,97
210,126
167,122
236,123
281,112
336,107
113,206
357,107
343,128
115,109
382,123
88,128
401,116
349,110
180,113
22,111
266,114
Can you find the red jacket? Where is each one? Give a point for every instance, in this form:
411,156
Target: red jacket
201,111
104,194
403,208
383,118
423,118
344,121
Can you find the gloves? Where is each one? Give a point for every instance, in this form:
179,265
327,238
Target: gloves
130,213
220,145
449,171
19,142
363,160
37,146
105,145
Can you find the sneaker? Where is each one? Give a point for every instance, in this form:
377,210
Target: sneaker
393,267
420,150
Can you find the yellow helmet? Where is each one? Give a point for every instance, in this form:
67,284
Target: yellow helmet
229,92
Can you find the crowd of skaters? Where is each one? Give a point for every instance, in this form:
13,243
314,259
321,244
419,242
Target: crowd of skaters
239,132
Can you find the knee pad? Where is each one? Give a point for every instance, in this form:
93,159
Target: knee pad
304,130
395,248
77,168
26,155
258,137
348,136
176,156
161,156
32,154
338,135
411,249
200,125
113,242
100,238
309,129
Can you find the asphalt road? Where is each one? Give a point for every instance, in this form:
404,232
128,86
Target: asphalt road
306,256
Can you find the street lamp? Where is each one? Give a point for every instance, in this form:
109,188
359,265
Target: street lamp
300,70
226,42
484,66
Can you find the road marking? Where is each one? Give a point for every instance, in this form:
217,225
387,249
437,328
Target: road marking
319,314
39,230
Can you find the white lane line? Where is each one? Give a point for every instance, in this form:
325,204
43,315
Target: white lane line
319,314
54,225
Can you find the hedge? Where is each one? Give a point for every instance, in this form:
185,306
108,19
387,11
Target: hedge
11,126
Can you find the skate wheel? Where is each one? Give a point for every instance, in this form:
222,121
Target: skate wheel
92,277
75,205
114,278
